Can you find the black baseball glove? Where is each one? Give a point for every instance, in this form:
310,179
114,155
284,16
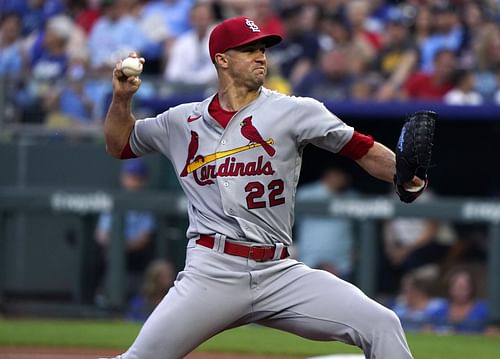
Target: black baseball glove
413,153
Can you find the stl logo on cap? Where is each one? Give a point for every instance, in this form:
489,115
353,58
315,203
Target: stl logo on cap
237,31
252,25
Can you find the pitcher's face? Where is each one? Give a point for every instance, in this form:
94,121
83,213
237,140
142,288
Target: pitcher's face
247,64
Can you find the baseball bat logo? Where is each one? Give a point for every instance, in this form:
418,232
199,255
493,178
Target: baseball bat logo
231,167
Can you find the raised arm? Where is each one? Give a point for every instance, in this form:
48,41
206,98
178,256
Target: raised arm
119,120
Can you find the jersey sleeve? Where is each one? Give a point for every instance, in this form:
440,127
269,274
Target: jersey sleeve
358,146
317,125
150,135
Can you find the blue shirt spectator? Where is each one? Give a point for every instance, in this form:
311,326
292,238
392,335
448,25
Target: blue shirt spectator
474,321
45,63
414,306
10,48
114,36
71,104
449,35
417,319
463,312
48,62
173,13
138,227
136,224
324,242
73,100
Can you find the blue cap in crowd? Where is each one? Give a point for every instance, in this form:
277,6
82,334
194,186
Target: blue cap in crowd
136,167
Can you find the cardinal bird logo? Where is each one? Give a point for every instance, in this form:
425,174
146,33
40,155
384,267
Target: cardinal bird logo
249,131
192,149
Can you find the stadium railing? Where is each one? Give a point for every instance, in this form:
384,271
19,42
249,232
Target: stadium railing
366,211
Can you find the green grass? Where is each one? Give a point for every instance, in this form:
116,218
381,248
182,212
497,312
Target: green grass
249,339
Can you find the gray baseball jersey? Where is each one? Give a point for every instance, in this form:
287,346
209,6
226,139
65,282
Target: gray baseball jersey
241,181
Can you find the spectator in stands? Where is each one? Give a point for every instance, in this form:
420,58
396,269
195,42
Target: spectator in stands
113,36
163,21
408,244
337,34
330,80
173,13
415,306
324,242
397,57
48,61
474,20
296,55
70,104
48,58
358,12
434,85
197,68
138,225
448,34
464,311
159,277
487,56
86,13
422,28
34,13
111,39
11,61
463,92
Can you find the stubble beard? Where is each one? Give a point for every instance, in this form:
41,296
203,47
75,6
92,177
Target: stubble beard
257,80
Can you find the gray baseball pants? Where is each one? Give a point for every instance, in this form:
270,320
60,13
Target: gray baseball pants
217,291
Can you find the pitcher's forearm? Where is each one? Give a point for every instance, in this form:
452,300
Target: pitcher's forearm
118,125
380,162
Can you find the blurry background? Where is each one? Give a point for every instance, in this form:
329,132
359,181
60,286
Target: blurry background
82,234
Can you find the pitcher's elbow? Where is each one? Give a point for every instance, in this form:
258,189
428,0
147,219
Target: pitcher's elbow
113,151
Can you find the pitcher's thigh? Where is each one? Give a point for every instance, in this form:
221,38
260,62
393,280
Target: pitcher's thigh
193,311
320,306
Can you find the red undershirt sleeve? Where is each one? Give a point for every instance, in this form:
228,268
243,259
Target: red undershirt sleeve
127,150
358,146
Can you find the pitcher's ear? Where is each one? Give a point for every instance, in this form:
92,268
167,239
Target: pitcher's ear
221,60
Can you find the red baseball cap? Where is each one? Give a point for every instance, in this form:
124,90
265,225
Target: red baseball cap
237,31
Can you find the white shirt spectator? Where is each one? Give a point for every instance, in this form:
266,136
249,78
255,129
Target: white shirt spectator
190,61
459,97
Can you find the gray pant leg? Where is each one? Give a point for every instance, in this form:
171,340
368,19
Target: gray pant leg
320,306
198,307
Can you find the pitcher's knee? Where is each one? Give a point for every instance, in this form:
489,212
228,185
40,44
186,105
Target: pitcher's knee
386,321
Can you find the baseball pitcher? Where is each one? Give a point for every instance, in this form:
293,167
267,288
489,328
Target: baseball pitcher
238,155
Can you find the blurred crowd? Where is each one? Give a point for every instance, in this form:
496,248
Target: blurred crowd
431,273
56,56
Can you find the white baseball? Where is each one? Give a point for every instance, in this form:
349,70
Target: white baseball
131,66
